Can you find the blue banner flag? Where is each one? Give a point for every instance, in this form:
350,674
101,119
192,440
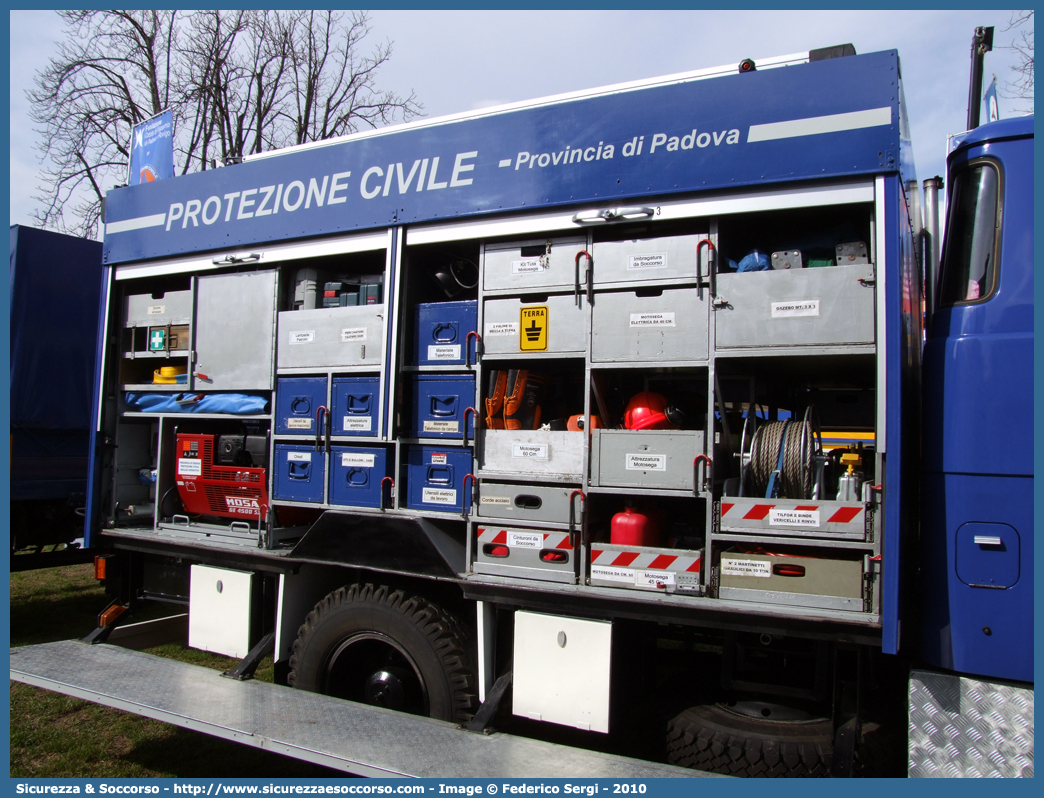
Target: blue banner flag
989,99
152,150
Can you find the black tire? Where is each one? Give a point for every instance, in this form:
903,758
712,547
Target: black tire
379,646
715,739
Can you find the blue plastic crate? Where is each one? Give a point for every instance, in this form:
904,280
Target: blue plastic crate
299,473
353,406
356,473
438,405
435,478
297,399
441,333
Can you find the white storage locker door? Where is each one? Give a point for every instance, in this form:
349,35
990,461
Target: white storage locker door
561,670
219,610
235,325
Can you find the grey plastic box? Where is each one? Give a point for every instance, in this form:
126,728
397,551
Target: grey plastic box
521,503
331,337
803,518
823,582
830,306
505,267
672,326
502,325
656,459
145,310
645,259
533,452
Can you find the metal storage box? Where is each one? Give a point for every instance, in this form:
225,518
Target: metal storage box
440,335
798,581
297,399
665,258
807,518
438,402
630,326
536,452
505,333
660,459
526,502
831,306
435,478
299,472
331,337
525,553
354,405
356,473
150,310
538,263
644,568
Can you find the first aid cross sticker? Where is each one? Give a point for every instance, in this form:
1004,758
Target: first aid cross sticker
156,341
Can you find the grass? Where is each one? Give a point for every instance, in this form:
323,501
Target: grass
56,736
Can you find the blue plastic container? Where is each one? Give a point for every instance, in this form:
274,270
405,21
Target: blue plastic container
356,473
441,333
297,399
299,473
435,478
353,406
438,405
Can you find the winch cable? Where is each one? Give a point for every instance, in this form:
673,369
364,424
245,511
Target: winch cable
788,445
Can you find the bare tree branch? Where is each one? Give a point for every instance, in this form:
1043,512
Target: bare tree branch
1021,85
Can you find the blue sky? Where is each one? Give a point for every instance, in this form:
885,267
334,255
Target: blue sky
463,60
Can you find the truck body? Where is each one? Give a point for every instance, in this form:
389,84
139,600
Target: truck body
53,380
600,411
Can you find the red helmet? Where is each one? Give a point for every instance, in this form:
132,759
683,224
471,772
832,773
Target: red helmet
647,410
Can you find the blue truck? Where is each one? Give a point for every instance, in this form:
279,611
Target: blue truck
596,417
56,284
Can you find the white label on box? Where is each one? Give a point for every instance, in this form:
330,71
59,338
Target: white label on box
525,540
652,319
299,457
359,460
499,501
299,423
653,578
438,459
190,466
505,328
442,426
613,574
759,568
654,260
529,266
156,310
789,310
302,337
646,462
353,334
444,352
358,423
784,517
438,495
531,451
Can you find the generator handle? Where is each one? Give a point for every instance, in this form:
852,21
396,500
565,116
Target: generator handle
467,348
576,280
464,422
391,493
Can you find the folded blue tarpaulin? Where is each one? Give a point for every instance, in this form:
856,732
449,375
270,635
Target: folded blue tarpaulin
240,404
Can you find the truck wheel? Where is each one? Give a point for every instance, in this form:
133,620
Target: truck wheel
717,739
379,646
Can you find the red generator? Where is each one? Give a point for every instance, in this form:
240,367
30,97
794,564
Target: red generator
233,491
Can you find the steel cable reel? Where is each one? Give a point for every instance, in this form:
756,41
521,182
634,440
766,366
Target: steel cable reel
791,448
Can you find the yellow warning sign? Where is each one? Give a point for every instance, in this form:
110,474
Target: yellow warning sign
532,328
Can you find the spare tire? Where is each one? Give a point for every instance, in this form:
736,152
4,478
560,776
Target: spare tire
716,739
380,646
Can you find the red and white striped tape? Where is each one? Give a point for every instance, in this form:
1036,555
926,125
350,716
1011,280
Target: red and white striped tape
645,560
759,512
524,538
